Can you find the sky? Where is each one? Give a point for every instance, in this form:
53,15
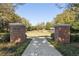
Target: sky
39,12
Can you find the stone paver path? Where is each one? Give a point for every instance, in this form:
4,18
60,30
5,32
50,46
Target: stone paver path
40,47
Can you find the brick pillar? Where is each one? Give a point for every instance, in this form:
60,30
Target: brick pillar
62,33
17,32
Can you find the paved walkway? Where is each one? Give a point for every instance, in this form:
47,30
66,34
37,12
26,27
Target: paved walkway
40,47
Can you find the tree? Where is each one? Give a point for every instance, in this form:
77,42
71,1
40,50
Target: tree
67,17
74,7
71,6
7,15
26,23
40,26
48,25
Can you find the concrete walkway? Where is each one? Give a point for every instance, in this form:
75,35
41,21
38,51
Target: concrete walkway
40,47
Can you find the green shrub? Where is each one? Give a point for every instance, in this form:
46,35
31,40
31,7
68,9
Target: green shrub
65,49
74,37
73,30
4,37
21,47
11,49
52,36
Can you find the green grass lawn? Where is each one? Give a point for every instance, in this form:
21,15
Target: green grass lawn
10,49
71,49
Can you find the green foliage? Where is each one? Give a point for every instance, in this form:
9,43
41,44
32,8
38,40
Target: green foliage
75,25
11,49
74,37
40,26
5,37
67,17
65,49
73,6
29,28
34,28
48,25
52,36
7,15
27,24
68,50
21,47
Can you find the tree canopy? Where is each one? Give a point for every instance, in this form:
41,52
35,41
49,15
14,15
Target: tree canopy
69,16
8,15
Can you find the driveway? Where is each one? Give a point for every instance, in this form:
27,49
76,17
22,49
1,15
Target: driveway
39,46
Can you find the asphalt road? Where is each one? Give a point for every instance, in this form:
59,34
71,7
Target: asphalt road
40,47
